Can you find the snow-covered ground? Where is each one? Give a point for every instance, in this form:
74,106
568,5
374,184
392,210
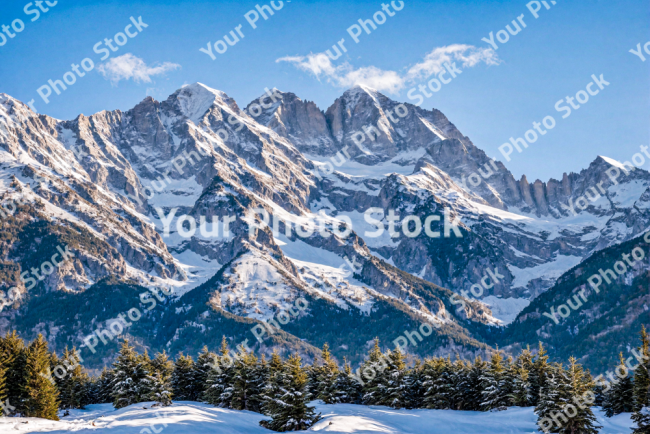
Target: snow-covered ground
197,418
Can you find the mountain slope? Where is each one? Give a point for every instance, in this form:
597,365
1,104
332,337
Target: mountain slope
591,322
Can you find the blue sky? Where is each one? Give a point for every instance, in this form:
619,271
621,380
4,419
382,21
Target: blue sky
553,57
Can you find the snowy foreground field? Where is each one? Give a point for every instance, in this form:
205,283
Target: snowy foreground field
195,418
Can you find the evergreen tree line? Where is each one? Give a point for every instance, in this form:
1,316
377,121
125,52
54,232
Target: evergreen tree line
282,388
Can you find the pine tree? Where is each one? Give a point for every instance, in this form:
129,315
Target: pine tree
641,374
472,387
560,406
373,371
460,376
92,390
642,419
494,384
104,387
273,384
74,385
244,387
525,359
159,389
130,383
184,386
159,379
14,354
325,378
348,389
312,372
443,391
641,415
538,373
552,395
393,389
162,364
202,367
413,386
620,398
579,382
41,395
146,382
437,380
520,395
221,379
214,387
260,378
510,378
289,410
56,374
3,378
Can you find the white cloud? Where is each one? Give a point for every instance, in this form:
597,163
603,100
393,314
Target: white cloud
317,64
129,66
468,55
376,78
345,75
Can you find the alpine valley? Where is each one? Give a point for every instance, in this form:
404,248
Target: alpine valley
98,185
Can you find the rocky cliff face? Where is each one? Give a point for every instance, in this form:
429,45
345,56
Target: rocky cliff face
115,177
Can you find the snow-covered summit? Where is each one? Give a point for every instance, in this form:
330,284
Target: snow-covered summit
359,91
194,100
13,109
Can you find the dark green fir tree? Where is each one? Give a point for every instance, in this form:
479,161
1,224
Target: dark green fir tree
221,379
641,416
538,374
289,410
620,397
130,382
348,388
159,379
14,354
74,386
494,384
184,386
325,378
40,392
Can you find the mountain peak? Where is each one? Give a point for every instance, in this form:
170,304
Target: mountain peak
361,92
602,163
196,99
14,108
8,100
609,161
362,88
200,87
283,96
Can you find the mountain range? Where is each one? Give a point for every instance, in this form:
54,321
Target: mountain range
104,185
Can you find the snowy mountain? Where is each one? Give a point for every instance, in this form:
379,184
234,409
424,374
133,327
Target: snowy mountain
122,189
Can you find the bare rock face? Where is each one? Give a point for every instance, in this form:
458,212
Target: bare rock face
539,192
300,121
524,186
359,122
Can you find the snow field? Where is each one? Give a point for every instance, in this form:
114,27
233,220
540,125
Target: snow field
185,417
